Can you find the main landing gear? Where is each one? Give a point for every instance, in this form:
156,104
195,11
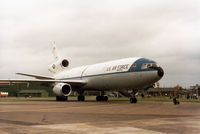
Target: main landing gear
102,97
133,98
81,96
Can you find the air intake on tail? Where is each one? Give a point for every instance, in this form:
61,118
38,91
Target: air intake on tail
59,66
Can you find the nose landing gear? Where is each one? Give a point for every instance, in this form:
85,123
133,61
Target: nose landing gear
133,100
175,101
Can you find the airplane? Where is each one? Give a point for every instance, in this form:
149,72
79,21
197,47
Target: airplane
116,75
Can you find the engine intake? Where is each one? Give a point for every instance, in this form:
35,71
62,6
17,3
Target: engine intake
66,89
59,66
65,63
62,89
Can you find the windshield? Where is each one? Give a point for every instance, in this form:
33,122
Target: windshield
148,65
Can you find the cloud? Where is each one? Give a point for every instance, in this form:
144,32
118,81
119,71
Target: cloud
95,31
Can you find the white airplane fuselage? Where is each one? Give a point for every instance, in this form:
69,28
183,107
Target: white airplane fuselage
119,75
128,73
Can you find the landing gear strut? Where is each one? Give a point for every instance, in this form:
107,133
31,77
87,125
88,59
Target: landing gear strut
133,98
81,97
175,101
61,98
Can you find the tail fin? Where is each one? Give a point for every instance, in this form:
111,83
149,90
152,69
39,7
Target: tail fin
59,64
54,51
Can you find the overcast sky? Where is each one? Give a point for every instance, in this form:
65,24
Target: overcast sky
92,31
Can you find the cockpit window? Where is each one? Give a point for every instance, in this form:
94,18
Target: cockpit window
133,67
148,65
142,64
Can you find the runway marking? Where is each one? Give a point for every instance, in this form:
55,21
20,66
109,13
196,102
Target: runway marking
77,128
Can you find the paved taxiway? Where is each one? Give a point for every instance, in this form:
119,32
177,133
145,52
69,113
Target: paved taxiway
90,117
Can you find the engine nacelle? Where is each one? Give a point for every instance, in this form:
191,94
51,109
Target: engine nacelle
62,89
59,66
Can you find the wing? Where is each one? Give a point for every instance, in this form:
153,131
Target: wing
36,76
77,83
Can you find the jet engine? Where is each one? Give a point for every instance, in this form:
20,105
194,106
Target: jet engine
62,89
59,66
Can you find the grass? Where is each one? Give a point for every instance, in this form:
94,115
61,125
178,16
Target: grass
23,99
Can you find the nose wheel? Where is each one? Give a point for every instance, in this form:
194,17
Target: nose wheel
175,101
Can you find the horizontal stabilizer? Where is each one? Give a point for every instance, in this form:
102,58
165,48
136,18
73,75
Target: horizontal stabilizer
36,76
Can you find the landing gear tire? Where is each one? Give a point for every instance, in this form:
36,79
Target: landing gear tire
133,100
105,98
98,98
61,98
102,98
57,98
81,98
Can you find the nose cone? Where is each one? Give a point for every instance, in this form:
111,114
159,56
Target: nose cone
160,72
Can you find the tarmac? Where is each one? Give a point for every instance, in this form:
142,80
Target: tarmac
91,117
